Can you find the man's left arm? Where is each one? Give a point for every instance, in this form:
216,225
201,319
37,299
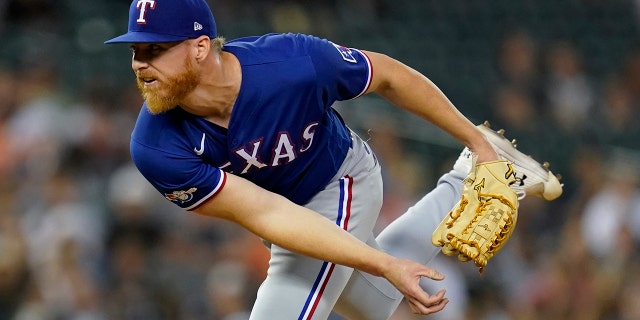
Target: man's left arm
412,91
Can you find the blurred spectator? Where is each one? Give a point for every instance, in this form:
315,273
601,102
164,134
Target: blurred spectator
66,243
518,63
517,95
569,92
35,129
614,122
619,197
514,109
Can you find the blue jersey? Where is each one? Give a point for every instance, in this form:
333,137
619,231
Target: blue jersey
283,134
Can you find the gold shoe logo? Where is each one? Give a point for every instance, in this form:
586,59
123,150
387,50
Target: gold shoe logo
510,172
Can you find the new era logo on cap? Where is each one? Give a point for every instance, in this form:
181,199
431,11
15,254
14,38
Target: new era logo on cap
157,21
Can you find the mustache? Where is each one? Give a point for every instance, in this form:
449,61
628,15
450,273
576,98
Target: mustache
141,75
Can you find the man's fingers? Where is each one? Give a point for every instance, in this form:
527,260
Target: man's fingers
418,307
431,274
423,303
434,299
406,277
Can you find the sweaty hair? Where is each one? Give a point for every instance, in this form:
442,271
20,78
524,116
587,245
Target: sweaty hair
217,43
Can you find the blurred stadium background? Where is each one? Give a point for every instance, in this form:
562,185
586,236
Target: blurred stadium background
83,237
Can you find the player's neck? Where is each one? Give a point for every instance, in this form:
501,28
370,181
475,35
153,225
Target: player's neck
214,97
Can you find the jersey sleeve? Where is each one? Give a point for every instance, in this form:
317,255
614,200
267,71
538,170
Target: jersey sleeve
182,179
343,73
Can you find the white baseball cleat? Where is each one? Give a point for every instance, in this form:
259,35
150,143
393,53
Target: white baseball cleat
532,177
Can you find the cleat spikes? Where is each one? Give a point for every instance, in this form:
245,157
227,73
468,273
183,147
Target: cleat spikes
486,124
536,178
559,177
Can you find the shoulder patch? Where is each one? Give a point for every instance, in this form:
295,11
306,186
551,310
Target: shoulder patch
182,195
346,53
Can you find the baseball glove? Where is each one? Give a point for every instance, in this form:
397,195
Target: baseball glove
482,222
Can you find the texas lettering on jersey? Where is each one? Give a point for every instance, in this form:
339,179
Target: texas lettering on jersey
284,150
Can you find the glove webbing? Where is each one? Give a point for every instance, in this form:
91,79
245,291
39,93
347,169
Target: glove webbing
454,215
502,234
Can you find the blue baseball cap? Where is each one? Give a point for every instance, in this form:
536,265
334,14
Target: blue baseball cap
156,21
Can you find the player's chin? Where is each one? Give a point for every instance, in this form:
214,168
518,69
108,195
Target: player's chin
157,104
156,111
155,108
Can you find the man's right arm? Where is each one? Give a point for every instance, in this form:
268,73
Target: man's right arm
296,228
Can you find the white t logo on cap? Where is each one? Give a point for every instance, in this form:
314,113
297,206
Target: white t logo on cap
142,5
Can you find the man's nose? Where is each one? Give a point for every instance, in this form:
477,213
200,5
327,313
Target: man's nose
138,62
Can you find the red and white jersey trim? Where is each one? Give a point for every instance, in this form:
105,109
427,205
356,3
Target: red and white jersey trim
216,189
369,76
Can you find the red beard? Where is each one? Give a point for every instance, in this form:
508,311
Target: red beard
166,95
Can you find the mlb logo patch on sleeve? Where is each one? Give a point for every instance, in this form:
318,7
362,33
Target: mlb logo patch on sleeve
345,53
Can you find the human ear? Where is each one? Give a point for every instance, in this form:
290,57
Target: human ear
203,47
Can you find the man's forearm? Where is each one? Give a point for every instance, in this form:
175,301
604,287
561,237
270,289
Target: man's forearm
293,227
